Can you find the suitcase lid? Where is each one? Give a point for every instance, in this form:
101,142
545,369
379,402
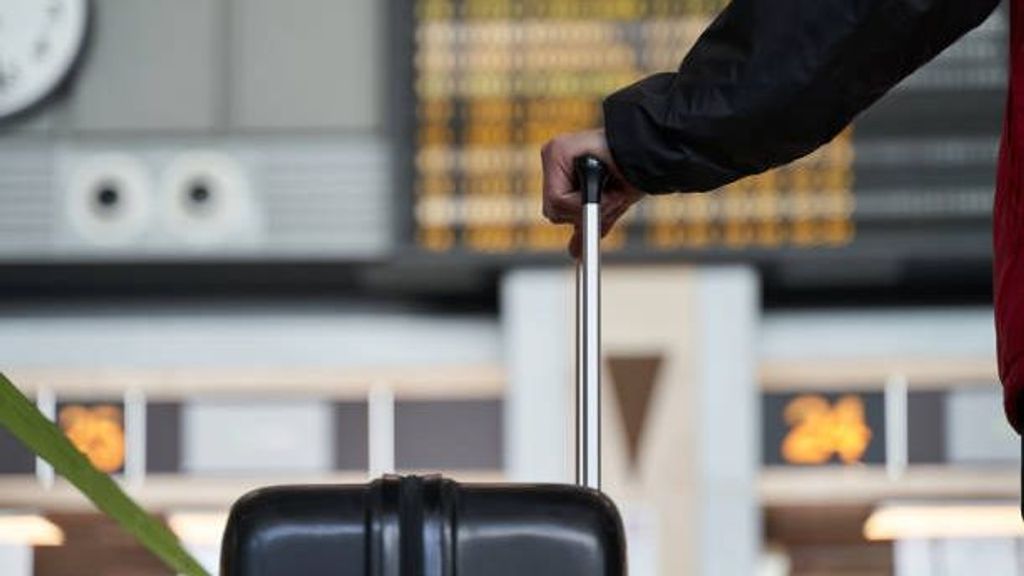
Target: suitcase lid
424,526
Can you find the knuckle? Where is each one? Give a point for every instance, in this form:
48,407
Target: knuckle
563,203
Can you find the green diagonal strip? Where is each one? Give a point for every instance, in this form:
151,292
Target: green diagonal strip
42,436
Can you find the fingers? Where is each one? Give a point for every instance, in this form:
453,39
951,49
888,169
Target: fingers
612,210
561,203
561,199
576,243
563,207
611,214
569,211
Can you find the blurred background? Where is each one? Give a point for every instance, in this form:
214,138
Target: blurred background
251,242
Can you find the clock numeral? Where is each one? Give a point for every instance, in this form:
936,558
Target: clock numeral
41,49
55,9
8,75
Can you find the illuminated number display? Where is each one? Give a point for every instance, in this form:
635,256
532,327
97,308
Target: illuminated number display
818,429
494,79
97,430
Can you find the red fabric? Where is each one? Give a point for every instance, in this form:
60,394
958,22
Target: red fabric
1008,271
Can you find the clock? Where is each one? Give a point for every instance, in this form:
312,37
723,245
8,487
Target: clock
40,41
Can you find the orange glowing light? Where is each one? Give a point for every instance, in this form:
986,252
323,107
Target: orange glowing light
98,432
820,430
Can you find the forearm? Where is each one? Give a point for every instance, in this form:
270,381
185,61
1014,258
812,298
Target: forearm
770,81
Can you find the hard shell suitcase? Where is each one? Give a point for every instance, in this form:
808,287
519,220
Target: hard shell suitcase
431,526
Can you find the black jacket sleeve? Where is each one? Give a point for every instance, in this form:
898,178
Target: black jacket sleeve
770,81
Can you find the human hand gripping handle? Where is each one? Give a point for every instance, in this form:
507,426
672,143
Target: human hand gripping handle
562,192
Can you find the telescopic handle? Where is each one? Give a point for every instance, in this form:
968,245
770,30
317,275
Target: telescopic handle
591,175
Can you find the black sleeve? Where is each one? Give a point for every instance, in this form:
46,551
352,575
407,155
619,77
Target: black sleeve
770,81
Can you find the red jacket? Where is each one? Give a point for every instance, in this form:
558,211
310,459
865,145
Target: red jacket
1008,276
772,80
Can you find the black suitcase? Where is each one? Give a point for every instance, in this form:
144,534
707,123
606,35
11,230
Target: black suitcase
430,526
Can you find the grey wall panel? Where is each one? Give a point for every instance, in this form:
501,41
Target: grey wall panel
926,427
271,197
40,121
332,335
163,437
14,457
275,107
977,431
287,436
859,334
151,65
450,435
351,436
307,64
27,201
326,199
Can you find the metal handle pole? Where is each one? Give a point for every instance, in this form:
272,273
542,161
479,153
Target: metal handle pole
591,174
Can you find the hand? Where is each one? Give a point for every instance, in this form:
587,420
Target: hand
561,194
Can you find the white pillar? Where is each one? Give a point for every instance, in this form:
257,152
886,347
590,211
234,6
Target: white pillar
208,555
727,310
15,560
691,500
955,556
913,558
537,312
381,433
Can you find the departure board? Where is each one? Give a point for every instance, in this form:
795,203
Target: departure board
493,80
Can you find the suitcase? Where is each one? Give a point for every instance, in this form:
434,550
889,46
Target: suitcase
431,526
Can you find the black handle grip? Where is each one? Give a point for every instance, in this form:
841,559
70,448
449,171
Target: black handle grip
592,175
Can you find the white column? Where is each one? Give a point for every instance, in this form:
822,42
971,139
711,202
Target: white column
913,558
955,556
897,435
980,556
135,437
537,312
727,309
208,555
381,434
15,560
697,476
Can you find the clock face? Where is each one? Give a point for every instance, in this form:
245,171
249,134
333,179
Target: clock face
39,40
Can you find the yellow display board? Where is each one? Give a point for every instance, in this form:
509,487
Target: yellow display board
494,79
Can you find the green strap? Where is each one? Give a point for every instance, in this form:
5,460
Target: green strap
43,437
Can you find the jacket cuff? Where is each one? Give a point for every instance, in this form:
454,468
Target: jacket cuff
624,130
653,156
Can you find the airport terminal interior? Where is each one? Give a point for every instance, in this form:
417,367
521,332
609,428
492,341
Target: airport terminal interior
250,242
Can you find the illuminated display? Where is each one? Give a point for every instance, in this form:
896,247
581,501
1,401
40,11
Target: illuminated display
819,430
493,80
97,431
496,79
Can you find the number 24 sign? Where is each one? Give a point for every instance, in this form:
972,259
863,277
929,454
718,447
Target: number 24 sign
819,430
